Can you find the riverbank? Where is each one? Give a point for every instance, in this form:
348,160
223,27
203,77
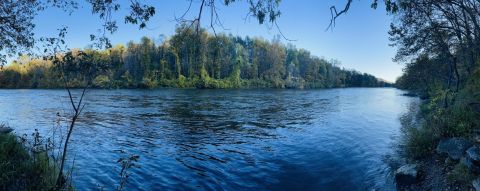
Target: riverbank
442,143
437,173
198,83
24,166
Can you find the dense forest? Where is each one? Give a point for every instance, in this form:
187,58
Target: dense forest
188,59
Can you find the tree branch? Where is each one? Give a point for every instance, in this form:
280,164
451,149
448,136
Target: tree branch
335,14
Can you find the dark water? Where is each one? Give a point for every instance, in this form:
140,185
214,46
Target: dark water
337,139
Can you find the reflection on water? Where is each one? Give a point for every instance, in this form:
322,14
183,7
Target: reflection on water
225,139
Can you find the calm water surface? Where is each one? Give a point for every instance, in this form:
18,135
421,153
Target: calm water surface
336,139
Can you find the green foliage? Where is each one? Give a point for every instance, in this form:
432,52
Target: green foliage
182,82
298,83
205,81
127,80
436,122
20,170
419,138
425,76
460,174
459,121
420,142
102,81
235,79
149,82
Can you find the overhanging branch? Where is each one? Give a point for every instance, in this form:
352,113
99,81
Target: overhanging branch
335,14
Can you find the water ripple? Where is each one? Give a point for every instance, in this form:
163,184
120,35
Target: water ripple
338,139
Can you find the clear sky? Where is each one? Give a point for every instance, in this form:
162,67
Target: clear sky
359,40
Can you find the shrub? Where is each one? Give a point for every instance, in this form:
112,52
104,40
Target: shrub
182,82
127,80
24,170
460,174
420,142
102,81
149,83
419,138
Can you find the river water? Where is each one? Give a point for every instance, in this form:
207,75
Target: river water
188,139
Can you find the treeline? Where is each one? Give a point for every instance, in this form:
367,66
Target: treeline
188,59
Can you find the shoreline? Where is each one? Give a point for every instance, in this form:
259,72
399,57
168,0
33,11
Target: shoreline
444,162
195,88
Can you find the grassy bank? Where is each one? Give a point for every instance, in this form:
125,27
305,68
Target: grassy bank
24,166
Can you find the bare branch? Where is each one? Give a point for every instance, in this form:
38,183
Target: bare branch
335,14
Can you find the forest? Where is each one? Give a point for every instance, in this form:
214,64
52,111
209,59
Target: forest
189,58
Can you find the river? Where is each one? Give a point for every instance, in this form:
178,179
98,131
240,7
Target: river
189,139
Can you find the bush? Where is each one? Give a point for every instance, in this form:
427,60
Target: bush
21,170
127,80
460,174
419,137
294,83
182,82
420,142
149,83
102,81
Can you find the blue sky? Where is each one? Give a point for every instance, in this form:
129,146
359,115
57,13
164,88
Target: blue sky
359,40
